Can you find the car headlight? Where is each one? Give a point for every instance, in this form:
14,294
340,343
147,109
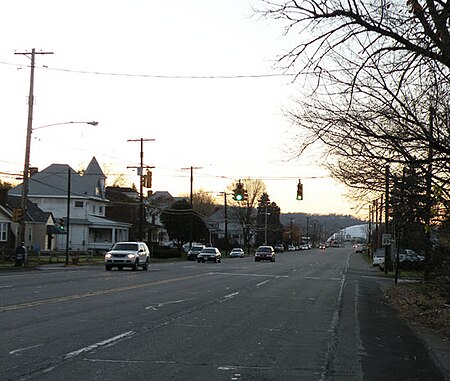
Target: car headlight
131,256
107,256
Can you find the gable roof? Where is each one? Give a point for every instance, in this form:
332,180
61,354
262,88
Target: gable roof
53,182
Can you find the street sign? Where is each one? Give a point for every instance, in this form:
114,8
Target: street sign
386,239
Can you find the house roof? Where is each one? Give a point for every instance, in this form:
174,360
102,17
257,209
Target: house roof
53,182
34,213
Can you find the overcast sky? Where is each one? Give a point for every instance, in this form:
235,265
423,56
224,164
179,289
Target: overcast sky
197,76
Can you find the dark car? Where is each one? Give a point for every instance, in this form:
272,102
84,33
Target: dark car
194,252
209,254
279,248
265,253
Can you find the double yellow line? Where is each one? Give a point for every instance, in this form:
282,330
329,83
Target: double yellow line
15,307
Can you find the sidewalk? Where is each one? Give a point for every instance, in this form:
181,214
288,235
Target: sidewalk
437,346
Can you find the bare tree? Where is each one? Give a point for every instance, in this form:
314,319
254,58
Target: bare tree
244,211
378,69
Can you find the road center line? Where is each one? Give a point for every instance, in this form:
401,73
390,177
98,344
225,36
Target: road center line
89,294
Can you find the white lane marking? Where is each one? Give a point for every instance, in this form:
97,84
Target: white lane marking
154,308
17,351
7,286
255,275
231,295
228,297
263,282
109,341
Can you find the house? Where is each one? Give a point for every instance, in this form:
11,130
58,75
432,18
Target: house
156,203
77,201
40,226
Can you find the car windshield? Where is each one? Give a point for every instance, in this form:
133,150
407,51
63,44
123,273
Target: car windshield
197,248
209,251
264,249
126,246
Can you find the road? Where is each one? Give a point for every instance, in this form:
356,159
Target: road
311,315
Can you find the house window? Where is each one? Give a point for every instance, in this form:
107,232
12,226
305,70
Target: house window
79,204
100,210
3,231
93,209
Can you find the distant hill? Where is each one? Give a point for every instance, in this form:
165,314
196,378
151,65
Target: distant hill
329,224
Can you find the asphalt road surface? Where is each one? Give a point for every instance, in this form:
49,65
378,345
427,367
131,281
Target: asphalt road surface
311,315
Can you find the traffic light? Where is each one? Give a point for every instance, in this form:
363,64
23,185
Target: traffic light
238,193
148,179
61,226
299,190
17,214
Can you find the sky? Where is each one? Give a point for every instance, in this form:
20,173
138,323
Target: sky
197,78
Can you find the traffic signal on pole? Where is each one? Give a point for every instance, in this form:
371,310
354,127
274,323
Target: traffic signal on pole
61,226
148,179
238,193
299,190
17,214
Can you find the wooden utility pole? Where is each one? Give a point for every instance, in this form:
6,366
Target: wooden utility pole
140,171
26,166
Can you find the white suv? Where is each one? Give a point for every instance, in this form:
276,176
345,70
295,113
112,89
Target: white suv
128,254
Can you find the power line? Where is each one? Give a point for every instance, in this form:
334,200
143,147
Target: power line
157,76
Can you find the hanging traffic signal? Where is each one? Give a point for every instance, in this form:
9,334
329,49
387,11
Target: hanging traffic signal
17,214
238,193
299,190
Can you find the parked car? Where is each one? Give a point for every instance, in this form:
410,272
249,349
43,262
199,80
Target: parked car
322,246
279,248
265,253
378,259
237,252
304,246
194,252
209,254
291,248
128,254
359,249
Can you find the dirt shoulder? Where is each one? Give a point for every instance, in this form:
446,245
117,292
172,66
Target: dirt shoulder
424,304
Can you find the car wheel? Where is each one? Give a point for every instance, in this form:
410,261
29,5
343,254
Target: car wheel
108,268
135,266
145,267
198,261
219,260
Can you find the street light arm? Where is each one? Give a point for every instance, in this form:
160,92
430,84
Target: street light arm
93,123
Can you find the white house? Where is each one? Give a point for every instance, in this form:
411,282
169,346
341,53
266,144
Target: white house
78,202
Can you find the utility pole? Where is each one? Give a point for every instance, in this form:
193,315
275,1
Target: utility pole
191,168
387,252
26,166
226,221
140,171
68,214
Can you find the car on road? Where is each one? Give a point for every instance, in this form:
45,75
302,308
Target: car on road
279,248
128,254
322,246
291,248
209,254
237,252
194,252
359,249
265,253
378,259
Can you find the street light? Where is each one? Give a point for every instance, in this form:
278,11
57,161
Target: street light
26,170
